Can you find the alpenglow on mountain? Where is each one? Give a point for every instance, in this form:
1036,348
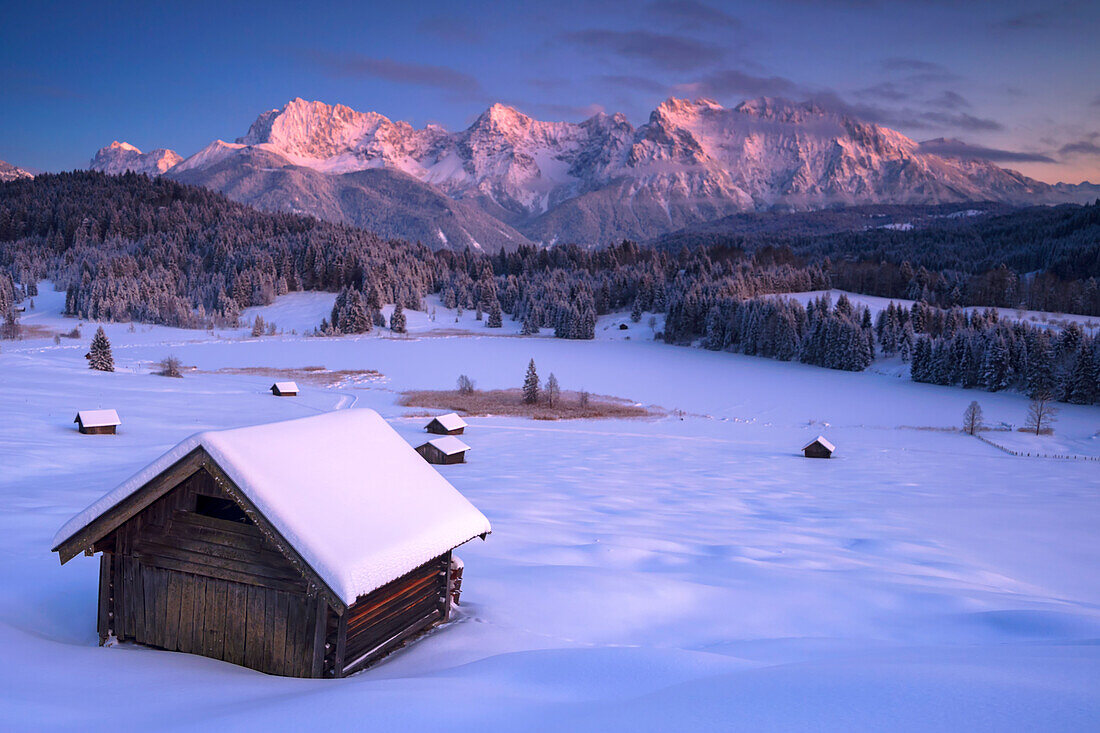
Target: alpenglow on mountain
510,179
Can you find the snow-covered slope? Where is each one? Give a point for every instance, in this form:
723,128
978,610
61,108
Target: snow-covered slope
9,172
602,179
678,573
124,157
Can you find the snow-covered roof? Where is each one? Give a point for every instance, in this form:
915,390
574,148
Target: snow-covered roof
820,439
286,386
449,444
450,421
97,418
343,488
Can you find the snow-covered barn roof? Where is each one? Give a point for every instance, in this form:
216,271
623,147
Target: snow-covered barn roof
286,386
450,421
449,445
97,418
820,439
358,504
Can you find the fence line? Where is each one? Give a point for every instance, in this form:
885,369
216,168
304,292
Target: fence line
1027,454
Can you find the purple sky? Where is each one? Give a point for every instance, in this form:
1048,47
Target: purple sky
1016,81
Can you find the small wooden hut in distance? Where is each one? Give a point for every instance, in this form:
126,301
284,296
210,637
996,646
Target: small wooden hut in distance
445,450
818,448
307,548
284,389
97,422
449,424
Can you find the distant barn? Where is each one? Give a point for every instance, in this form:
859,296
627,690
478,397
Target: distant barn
284,389
449,424
818,448
445,450
97,422
307,548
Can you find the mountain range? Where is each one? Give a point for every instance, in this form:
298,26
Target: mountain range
9,172
509,179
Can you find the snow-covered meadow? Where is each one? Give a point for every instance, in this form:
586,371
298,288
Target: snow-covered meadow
687,572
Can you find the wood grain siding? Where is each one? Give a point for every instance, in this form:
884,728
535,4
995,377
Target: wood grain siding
186,582
431,454
816,450
100,430
380,621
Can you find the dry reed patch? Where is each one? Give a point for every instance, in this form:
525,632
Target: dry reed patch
510,402
317,375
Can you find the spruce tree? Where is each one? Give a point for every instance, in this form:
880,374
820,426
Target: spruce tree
495,315
531,384
530,324
397,320
99,355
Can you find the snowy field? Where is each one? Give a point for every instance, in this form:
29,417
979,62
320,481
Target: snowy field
683,573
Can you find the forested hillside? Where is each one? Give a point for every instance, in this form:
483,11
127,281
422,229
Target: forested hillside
133,248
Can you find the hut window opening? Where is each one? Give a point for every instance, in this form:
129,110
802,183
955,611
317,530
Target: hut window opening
219,508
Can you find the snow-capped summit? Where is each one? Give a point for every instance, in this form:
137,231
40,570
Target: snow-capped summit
9,172
595,181
122,157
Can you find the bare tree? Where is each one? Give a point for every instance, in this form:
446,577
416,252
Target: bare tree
583,398
972,418
552,391
1041,412
465,384
170,367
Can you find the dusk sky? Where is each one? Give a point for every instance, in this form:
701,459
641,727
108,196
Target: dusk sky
1019,80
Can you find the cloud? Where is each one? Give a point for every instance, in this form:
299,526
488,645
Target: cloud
959,149
1024,21
674,53
950,100
918,69
693,14
637,83
1087,146
961,121
1095,102
452,29
886,90
425,75
731,81
905,117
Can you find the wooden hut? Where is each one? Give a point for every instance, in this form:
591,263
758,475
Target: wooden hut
445,450
97,422
818,448
285,389
449,424
307,548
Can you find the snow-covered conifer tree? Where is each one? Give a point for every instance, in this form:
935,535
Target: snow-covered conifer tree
531,384
99,355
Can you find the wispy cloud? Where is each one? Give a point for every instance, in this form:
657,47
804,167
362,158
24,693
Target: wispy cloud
403,72
732,81
918,69
959,149
950,100
636,83
1088,146
961,121
451,28
691,14
665,51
